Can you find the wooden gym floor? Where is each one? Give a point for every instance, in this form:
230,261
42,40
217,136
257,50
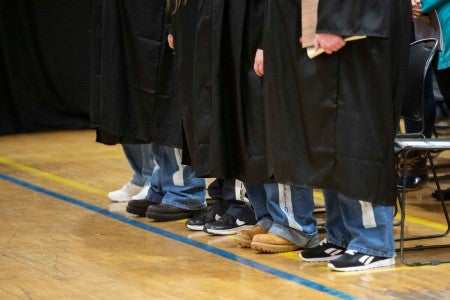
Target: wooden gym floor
61,238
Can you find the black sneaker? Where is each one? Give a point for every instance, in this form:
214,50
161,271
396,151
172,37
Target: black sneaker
164,213
198,222
445,194
354,261
218,209
226,225
324,252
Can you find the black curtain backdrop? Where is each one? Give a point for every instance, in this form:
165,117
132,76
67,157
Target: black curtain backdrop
44,65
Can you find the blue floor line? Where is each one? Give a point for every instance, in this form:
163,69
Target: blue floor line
182,239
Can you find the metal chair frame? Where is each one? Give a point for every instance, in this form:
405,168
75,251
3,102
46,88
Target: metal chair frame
421,55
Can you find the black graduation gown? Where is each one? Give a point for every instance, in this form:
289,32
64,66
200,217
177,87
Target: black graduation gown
133,75
332,120
227,137
184,24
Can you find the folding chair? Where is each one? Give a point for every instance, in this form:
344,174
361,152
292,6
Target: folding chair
421,55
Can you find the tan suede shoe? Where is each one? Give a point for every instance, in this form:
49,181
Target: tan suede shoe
272,243
244,237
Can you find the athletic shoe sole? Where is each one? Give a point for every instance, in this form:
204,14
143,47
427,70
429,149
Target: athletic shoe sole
227,231
271,248
379,264
195,227
123,199
319,259
168,217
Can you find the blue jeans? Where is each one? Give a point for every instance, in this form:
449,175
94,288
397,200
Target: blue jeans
284,210
173,183
140,157
359,225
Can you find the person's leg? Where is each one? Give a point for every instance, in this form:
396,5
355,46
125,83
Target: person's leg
258,198
294,226
334,245
336,231
184,193
216,192
292,207
369,225
233,190
155,192
148,164
218,208
238,214
133,154
363,228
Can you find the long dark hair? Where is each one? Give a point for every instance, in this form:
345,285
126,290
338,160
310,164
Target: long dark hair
173,5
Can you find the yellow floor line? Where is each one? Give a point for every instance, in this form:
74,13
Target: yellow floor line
424,222
291,255
72,183
18,166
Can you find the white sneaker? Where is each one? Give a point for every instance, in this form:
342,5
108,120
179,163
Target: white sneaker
142,194
125,193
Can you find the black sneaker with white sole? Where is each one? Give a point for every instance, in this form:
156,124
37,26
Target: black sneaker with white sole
226,225
238,216
198,222
218,209
323,253
355,261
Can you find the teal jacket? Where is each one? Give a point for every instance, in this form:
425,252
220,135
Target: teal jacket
443,11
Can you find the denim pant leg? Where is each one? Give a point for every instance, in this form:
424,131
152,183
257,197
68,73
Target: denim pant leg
258,199
336,232
291,208
155,193
133,153
180,186
148,163
360,225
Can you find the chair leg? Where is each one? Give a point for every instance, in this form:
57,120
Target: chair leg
402,239
440,195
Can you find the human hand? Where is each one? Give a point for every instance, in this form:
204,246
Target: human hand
417,12
328,42
258,66
170,41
